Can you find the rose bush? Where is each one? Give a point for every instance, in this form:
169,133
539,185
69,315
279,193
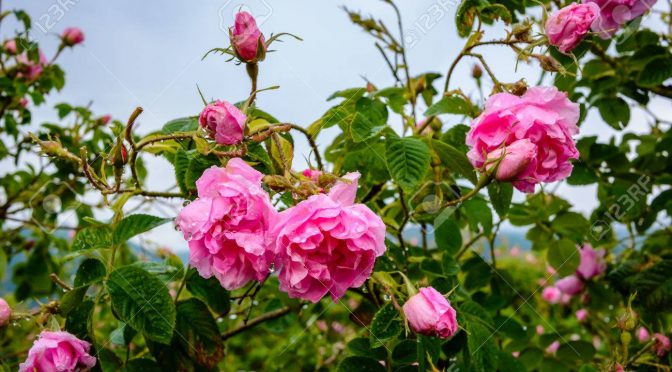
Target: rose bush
426,233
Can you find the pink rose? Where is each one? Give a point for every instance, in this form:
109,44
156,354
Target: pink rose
327,244
515,159
5,312
58,351
570,285
246,37
566,27
429,313
592,262
10,46
661,345
615,13
539,329
72,36
105,119
313,174
224,121
552,295
544,116
643,335
228,225
31,69
553,347
581,315
23,102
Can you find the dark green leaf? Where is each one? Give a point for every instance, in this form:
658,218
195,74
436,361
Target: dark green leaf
198,334
448,236
210,291
360,364
564,257
90,271
385,326
136,224
370,119
500,196
94,237
450,105
408,160
453,159
181,125
615,111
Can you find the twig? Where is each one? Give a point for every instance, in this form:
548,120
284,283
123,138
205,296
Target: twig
256,321
59,282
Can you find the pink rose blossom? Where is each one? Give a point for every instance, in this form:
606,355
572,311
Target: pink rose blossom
570,285
515,159
429,313
615,13
581,315
643,334
72,36
246,37
23,102
228,225
544,116
553,347
10,46
31,69
539,329
5,312
662,344
327,244
566,27
592,262
552,295
565,299
224,121
58,351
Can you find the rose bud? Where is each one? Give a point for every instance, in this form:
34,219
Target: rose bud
477,71
105,119
58,351
592,262
247,40
643,335
312,174
553,347
5,312
119,156
661,345
429,313
566,27
518,156
72,36
570,285
10,47
23,102
552,295
223,121
581,315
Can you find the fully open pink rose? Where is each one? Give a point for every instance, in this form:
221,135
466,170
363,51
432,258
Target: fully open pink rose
58,352
515,159
10,46
570,285
566,27
327,244
544,116
429,313
615,13
228,225
552,295
72,36
662,344
224,121
592,262
246,37
31,69
5,312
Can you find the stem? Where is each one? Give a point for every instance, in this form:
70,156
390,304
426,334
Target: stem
311,142
403,223
182,284
59,282
253,72
268,316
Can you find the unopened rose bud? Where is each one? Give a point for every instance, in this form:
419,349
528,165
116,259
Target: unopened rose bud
477,71
72,36
512,161
105,119
312,174
10,47
119,156
5,312
370,88
23,102
626,337
429,313
247,40
521,31
223,121
548,63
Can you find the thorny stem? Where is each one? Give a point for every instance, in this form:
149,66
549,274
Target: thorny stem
256,321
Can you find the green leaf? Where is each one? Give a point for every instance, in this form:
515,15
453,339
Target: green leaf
210,291
464,17
142,365
385,326
90,271
92,238
478,214
450,105
78,320
501,194
198,334
142,301
369,120
564,257
181,125
571,225
615,111
408,160
656,72
71,299
360,364
362,346
492,12
453,159
482,347
405,352
574,350
136,224
181,164
448,236
165,272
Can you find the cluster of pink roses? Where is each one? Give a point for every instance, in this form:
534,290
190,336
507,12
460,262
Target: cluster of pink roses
567,27
528,138
591,265
324,244
661,344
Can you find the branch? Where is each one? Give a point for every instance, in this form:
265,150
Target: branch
268,316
